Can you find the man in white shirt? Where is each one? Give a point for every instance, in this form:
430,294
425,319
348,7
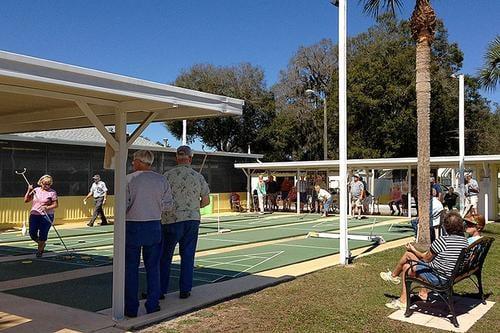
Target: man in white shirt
435,218
326,198
357,195
99,191
471,193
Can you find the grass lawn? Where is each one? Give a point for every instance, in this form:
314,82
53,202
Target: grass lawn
337,299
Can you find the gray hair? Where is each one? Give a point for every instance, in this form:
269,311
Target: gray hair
145,156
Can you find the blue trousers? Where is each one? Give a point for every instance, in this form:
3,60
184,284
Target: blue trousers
145,237
186,234
327,204
40,226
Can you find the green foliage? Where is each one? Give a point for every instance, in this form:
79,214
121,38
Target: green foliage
381,99
285,124
233,134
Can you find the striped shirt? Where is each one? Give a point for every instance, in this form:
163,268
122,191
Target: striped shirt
447,250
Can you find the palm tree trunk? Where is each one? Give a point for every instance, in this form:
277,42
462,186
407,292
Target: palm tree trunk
423,23
423,90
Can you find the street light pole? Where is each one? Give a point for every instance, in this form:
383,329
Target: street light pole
461,137
184,132
325,131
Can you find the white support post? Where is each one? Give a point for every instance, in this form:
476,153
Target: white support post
486,207
298,193
409,192
184,132
118,299
249,190
461,138
372,190
344,245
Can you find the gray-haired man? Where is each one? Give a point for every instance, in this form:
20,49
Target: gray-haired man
190,193
148,195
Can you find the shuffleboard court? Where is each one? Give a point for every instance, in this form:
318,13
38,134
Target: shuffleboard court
94,293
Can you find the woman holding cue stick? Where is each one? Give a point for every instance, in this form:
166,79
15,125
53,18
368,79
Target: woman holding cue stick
44,201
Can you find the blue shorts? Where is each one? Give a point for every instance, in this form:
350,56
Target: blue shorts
40,226
425,272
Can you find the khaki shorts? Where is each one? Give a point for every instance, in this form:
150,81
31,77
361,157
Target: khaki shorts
356,203
472,201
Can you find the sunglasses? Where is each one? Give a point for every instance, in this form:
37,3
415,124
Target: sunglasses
469,224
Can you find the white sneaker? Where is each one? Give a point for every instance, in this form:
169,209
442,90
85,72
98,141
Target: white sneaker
387,276
396,304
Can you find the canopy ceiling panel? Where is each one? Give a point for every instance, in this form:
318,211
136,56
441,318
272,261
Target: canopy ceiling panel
38,95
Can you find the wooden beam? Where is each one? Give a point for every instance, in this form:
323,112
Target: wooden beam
141,128
98,124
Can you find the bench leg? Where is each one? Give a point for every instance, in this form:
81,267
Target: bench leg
450,304
480,286
408,312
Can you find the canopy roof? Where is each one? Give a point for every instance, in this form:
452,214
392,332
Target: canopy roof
37,95
376,163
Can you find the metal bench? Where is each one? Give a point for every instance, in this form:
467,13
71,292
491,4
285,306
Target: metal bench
469,264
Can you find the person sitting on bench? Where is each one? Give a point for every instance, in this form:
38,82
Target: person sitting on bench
442,255
474,224
396,199
235,202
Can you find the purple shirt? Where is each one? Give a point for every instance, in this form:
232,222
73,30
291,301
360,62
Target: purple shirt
42,198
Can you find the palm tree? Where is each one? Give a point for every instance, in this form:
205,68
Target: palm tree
422,24
489,75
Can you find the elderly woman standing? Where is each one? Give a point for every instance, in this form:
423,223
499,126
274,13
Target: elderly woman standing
44,201
148,194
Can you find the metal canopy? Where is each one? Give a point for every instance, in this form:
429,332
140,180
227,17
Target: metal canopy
376,163
38,95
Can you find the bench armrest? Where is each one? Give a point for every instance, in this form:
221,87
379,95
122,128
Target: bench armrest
436,272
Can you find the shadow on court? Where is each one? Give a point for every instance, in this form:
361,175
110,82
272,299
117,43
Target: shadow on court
94,293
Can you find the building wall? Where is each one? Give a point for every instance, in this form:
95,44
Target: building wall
14,211
73,166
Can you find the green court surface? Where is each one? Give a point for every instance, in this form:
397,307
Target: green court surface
93,247
245,231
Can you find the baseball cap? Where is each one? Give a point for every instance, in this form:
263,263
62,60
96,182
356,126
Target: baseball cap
96,177
185,150
357,175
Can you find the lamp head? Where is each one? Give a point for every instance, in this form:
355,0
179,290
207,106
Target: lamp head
311,92
335,2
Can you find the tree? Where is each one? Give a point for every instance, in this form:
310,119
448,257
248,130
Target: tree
422,23
298,126
232,134
489,75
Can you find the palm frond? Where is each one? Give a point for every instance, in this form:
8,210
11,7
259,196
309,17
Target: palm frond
489,74
373,7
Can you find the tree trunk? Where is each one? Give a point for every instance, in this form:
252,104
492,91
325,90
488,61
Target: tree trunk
423,90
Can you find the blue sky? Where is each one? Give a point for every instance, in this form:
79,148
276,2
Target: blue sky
156,39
